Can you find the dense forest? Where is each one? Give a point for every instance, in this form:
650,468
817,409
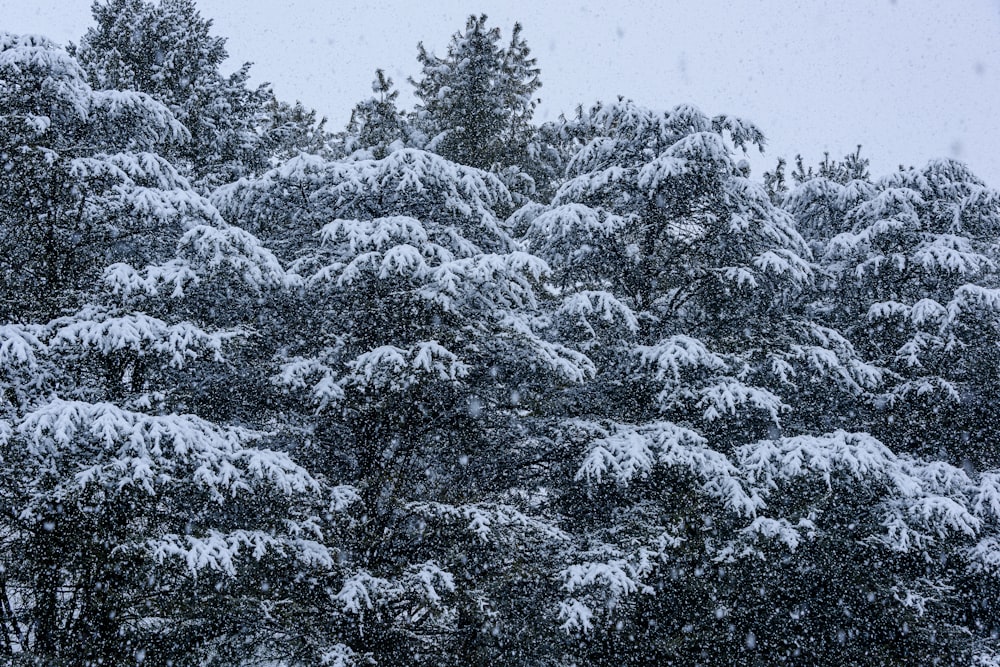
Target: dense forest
450,387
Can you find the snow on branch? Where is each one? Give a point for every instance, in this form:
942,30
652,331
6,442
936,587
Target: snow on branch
375,234
566,363
489,521
221,552
126,281
236,249
19,344
396,369
729,396
99,330
678,353
921,502
632,452
603,305
102,444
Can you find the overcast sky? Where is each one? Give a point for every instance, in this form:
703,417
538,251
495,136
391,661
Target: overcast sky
907,79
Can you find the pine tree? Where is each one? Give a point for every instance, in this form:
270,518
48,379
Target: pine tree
133,528
340,410
167,51
81,186
519,82
476,103
915,270
426,351
289,129
377,126
691,292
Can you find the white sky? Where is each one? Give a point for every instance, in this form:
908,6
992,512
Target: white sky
907,79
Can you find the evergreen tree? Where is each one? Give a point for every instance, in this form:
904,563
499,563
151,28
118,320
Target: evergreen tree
425,350
914,271
476,103
376,125
80,184
690,290
665,415
289,129
167,50
133,529
519,82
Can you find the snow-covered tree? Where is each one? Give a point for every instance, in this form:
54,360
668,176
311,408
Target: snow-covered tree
119,524
658,229
913,264
124,513
79,185
694,295
289,129
367,404
802,549
377,126
166,49
416,347
476,102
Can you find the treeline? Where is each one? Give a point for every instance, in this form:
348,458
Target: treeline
448,387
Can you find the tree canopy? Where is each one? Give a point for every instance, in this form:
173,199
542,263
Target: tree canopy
447,387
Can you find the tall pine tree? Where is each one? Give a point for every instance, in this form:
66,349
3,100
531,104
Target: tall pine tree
166,49
476,102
